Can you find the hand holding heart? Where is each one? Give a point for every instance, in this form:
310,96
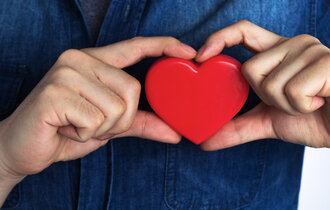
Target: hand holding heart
84,100
291,76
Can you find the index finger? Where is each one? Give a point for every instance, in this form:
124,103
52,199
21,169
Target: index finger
129,52
251,36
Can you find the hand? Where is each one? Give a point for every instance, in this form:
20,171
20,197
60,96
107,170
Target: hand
291,76
84,100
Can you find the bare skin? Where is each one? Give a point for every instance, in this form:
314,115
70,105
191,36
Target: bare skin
83,101
291,76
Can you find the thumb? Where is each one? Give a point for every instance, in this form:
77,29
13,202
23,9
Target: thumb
146,125
253,125
150,126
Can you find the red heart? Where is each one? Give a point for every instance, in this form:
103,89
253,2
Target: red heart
196,100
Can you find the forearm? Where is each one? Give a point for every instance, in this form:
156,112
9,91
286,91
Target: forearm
7,179
6,185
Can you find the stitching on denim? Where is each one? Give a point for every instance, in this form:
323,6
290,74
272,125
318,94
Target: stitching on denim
111,176
112,8
140,11
72,4
264,152
312,18
171,167
175,169
82,193
246,198
81,13
166,194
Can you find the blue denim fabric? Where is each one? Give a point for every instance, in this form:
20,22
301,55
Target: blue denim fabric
132,173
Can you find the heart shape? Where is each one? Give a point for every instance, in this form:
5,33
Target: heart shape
196,100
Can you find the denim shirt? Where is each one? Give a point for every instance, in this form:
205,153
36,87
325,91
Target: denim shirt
132,173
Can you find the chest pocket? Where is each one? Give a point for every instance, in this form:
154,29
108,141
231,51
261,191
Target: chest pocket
11,79
225,179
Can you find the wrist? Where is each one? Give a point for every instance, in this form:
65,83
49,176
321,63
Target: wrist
7,183
7,174
8,179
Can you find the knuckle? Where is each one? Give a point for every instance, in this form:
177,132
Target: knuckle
305,38
294,94
133,88
124,127
171,39
244,25
118,107
63,72
325,60
269,87
291,90
308,52
96,117
249,69
51,91
53,94
69,55
313,48
244,22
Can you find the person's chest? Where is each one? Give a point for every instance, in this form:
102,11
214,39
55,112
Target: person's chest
34,33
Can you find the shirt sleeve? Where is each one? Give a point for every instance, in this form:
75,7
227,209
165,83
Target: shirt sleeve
323,22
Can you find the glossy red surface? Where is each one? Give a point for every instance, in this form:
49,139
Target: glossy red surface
196,100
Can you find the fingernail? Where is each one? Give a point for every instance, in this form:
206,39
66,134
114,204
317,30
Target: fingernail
188,48
200,51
